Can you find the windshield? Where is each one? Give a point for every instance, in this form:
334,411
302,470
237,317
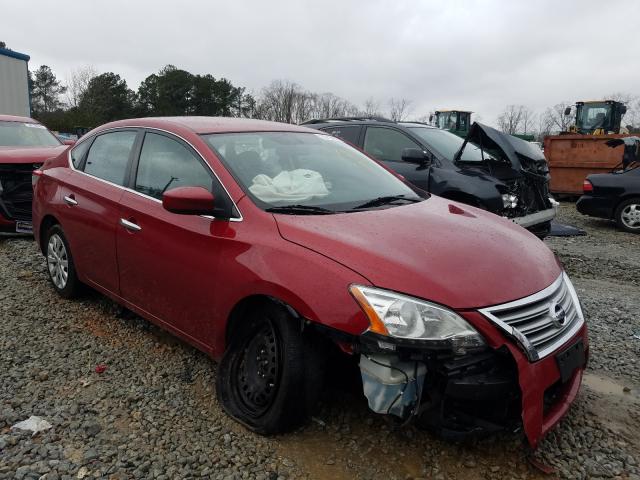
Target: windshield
19,134
305,170
594,115
447,144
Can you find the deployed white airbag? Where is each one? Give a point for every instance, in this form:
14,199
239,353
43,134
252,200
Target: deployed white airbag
291,186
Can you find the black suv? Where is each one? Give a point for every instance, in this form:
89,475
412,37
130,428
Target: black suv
491,170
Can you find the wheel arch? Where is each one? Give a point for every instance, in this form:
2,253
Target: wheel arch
45,224
250,302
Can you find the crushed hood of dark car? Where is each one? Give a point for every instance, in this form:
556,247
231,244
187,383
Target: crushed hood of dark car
520,153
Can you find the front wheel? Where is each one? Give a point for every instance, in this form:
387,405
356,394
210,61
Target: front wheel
270,376
627,215
60,266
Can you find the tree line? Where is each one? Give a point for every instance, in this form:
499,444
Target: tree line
89,99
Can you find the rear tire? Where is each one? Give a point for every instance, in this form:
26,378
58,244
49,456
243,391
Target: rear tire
270,376
60,266
627,215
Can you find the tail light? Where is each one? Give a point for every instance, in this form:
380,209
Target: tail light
35,176
587,186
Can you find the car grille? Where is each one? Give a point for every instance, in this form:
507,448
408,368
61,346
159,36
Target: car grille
16,191
541,322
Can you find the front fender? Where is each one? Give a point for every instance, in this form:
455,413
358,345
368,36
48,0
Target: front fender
281,271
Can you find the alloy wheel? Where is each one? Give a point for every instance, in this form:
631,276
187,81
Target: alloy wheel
630,216
58,261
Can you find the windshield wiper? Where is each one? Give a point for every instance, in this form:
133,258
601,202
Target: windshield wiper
386,200
300,210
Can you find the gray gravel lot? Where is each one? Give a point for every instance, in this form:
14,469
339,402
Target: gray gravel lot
153,413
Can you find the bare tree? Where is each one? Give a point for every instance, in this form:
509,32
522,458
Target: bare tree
280,101
399,108
632,102
371,108
555,120
528,120
510,120
328,105
77,83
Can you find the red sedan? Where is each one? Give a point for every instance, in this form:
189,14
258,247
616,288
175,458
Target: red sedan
24,146
267,245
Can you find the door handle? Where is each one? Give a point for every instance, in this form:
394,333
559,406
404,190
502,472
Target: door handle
132,227
70,200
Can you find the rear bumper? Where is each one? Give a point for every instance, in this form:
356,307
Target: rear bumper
601,207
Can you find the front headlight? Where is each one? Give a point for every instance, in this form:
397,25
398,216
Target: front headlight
509,200
404,317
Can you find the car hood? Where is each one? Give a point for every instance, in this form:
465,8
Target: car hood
438,250
14,155
520,153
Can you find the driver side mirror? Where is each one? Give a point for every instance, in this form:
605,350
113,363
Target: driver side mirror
68,141
623,109
567,111
416,155
189,201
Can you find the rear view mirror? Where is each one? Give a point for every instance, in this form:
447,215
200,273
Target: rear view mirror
623,109
68,141
189,201
415,155
567,111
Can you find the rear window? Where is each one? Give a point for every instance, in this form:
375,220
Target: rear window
109,156
26,134
347,133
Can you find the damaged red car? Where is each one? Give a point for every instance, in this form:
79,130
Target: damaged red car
24,146
266,245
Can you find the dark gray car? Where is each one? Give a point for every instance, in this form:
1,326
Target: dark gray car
491,170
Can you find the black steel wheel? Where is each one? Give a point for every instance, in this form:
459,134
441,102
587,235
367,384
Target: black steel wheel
257,369
271,374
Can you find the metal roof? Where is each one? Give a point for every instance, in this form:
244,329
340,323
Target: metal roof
10,53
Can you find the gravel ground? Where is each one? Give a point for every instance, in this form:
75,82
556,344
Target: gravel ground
152,413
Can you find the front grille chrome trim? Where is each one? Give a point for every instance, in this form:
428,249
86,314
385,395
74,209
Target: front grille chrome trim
529,321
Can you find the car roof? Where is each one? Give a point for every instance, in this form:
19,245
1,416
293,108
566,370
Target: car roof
16,118
202,125
364,121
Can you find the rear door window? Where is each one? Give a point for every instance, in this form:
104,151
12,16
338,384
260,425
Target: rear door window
387,144
109,154
347,133
166,163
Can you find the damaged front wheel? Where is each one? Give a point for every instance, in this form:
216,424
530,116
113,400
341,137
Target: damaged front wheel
271,373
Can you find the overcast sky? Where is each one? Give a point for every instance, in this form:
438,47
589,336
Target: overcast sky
475,55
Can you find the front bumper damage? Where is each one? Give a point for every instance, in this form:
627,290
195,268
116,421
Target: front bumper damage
474,394
16,194
536,218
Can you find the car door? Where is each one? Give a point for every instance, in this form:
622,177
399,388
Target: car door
386,145
91,192
168,262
